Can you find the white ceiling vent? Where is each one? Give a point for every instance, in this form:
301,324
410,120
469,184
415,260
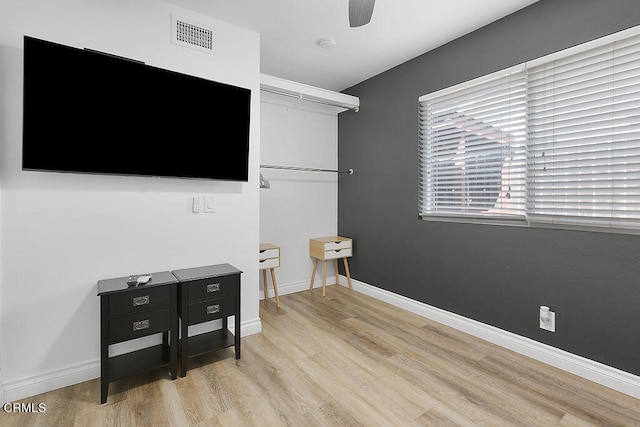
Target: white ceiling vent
193,36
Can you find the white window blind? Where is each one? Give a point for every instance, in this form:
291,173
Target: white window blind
584,137
472,148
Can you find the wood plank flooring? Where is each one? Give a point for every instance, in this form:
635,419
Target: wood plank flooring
345,359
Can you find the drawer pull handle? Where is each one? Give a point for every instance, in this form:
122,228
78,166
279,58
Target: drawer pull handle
141,300
212,309
143,324
337,250
214,287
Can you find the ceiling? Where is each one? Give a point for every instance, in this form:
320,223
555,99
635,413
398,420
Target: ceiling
399,30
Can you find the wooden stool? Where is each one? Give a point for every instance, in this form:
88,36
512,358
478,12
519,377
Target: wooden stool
269,259
329,248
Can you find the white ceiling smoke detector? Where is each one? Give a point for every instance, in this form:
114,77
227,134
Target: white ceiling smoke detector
327,43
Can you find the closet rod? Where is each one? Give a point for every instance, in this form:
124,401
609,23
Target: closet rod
304,98
295,168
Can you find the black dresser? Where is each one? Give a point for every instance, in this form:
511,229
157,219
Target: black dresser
130,312
208,293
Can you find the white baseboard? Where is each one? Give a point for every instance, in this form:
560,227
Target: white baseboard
37,384
608,376
303,285
250,327
289,288
53,380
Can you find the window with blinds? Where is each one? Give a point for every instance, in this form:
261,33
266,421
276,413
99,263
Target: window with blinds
472,148
584,137
556,140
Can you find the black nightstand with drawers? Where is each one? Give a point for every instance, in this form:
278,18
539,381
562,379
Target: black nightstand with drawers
205,294
130,312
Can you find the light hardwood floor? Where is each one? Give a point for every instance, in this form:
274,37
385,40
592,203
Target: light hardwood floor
345,359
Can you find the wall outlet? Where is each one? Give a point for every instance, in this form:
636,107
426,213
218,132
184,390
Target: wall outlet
547,320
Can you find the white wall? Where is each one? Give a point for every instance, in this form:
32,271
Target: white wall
61,233
299,205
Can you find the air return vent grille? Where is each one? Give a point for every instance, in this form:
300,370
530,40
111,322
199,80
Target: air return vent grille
193,36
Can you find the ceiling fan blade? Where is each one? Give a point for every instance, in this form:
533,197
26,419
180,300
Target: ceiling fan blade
360,12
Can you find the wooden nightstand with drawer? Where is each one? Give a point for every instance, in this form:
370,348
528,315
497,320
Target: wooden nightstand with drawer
269,259
330,248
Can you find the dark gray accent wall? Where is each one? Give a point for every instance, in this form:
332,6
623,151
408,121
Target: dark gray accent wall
497,275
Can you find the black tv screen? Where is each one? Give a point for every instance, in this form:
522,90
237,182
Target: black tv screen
91,112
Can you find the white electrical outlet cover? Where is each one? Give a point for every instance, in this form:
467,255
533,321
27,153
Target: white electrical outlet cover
551,324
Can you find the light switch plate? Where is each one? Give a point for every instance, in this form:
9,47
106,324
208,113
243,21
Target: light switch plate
197,204
209,204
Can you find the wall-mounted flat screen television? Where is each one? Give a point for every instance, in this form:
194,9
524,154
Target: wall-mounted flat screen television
90,112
